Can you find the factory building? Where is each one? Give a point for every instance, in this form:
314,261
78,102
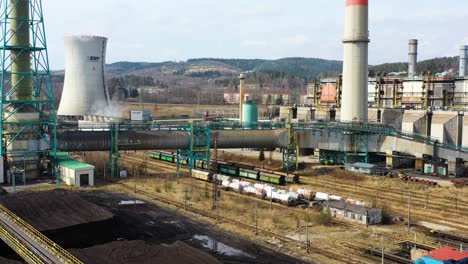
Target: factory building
265,98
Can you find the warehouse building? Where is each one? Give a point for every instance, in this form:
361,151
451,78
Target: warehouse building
355,213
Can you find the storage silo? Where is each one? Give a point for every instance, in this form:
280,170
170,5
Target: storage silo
250,115
85,95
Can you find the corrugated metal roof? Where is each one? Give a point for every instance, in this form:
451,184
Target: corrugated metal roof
363,165
66,161
348,207
448,253
75,165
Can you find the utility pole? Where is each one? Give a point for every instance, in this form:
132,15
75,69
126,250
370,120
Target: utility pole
134,179
383,254
185,197
427,197
376,190
307,232
215,184
409,206
256,216
326,182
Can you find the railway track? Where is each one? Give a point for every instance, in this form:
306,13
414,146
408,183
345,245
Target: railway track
432,211
330,253
368,193
418,199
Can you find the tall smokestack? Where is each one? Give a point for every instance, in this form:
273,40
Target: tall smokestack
413,57
463,61
355,63
241,95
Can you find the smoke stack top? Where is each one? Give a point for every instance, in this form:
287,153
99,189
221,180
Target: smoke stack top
357,2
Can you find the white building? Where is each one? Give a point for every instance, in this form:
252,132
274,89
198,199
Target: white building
355,213
75,173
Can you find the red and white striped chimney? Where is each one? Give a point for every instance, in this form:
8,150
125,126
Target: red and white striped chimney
354,105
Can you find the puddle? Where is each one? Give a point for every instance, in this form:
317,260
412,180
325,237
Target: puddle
207,242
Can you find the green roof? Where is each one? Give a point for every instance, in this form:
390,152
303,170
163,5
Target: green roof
66,161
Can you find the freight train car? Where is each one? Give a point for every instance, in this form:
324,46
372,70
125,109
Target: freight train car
251,174
202,175
154,155
168,156
272,178
290,178
228,169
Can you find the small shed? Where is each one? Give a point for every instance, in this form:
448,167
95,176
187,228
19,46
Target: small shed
141,115
73,172
361,167
353,212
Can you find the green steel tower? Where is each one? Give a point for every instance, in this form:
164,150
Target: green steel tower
28,120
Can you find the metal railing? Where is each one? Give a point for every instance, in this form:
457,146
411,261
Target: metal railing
19,248
53,248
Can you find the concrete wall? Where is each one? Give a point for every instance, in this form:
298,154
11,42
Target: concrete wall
465,132
78,174
461,93
392,117
414,121
372,115
445,127
72,177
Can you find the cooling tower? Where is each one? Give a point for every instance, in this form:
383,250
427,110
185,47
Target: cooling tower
355,63
84,90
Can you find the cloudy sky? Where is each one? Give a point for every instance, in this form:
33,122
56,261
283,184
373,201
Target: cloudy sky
160,30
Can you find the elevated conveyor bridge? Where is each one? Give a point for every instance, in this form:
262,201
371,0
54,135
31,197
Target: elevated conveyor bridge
30,244
350,138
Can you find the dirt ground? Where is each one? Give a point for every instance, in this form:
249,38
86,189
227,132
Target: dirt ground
140,252
158,225
54,210
153,231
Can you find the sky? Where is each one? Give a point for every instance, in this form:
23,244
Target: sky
177,30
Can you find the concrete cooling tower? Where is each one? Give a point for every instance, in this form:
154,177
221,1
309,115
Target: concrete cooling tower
85,96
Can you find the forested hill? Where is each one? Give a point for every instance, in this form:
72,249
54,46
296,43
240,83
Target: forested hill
436,65
295,67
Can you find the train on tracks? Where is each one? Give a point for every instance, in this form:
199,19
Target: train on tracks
232,169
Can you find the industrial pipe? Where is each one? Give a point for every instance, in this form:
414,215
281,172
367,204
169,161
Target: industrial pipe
148,140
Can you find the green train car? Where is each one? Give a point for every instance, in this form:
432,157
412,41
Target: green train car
228,170
290,178
168,156
154,155
246,173
272,178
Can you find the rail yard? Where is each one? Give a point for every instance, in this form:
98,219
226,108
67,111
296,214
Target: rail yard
213,160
